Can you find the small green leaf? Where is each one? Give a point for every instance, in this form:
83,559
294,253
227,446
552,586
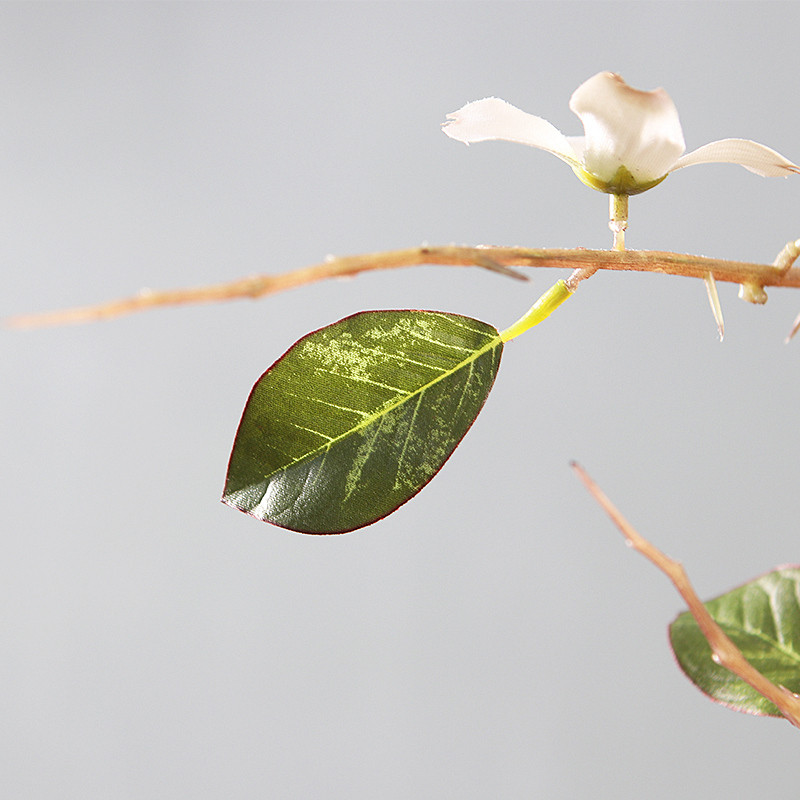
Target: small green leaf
354,419
762,618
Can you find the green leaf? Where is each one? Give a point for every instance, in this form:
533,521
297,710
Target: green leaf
354,419
762,618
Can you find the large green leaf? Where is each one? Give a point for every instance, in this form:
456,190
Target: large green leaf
356,418
762,618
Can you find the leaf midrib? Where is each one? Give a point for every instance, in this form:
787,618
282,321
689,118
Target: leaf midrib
490,345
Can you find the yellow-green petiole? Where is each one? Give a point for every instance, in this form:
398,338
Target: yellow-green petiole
540,310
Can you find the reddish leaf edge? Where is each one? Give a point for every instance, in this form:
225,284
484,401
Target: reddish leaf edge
411,497
723,703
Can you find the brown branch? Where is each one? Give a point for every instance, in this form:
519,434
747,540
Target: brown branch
499,259
724,651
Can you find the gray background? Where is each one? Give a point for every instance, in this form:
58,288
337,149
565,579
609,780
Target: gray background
494,638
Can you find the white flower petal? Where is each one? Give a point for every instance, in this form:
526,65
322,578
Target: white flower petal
492,118
756,157
628,128
578,144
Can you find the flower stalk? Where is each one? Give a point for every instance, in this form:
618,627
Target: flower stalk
618,218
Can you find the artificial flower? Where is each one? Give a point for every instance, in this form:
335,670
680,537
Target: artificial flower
633,139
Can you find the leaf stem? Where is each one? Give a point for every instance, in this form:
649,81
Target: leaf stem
724,651
539,311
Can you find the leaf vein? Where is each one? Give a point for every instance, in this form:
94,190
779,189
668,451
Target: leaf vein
493,346
326,403
439,343
361,379
310,430
409,434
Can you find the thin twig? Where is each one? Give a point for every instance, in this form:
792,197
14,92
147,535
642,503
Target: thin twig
583,262
724,651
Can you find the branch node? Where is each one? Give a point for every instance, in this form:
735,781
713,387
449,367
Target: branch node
787,257
753,292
